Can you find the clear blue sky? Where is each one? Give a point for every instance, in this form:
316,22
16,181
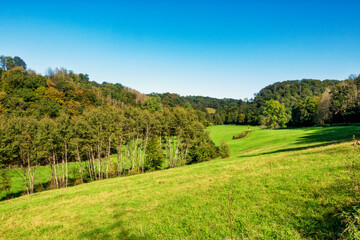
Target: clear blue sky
211,48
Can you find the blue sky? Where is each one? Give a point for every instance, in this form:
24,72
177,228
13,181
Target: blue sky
224,49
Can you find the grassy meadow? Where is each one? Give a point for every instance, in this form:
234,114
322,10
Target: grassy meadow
280,184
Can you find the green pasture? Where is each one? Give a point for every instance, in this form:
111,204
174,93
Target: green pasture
282,184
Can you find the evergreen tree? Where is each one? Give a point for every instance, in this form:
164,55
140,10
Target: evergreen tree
154,154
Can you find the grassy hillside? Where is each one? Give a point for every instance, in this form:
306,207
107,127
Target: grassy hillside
285,184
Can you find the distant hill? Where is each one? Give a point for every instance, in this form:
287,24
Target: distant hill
291,91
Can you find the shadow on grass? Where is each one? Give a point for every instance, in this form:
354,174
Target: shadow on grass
330,223
39,187
330,135
117,230
317,137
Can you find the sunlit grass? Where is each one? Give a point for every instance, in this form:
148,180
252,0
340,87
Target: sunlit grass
282,187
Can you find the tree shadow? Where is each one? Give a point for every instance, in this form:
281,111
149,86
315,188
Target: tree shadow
317,137
106,232
329,135
330,224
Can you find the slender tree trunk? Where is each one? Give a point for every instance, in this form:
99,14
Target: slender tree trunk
90,165
176,152
79,160
121,158
25,179
55,173
145,145
133,153
66,166
30,178
107,165
99,162
168,152
129,156
186,152
93,163
63,171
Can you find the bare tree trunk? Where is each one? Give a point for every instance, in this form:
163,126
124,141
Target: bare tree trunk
176,152
119,158
79,160
160,141
168,152
63,171
99,162
134,152
129,156
66,166
93,162
90,165
30,178
186,151
25,179
55,173
107,165
145,145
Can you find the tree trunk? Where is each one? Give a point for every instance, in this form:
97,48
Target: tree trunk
90,165
25,179
66,165
55,173
176,152
108,162
63,171
79,160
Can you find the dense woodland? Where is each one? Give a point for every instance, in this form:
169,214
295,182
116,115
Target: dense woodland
63,117
307,102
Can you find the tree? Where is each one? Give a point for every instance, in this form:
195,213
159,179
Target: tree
154,154
305,112
153,104
5,181
19,62
274,114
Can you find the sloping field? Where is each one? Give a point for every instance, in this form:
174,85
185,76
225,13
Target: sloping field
283,184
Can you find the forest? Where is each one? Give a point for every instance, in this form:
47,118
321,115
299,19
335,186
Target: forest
307,102
64,118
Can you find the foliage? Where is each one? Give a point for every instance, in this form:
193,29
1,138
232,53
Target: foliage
203,150
224,150
7,62
152,104
5,181
154,154
305,113
274,114
309,101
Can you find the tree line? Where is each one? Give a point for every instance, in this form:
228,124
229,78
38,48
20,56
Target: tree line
141,141
105,130
306,102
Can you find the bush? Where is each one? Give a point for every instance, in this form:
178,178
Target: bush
224,150
5,181
204,151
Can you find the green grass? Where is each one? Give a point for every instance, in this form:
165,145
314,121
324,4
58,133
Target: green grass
286,184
